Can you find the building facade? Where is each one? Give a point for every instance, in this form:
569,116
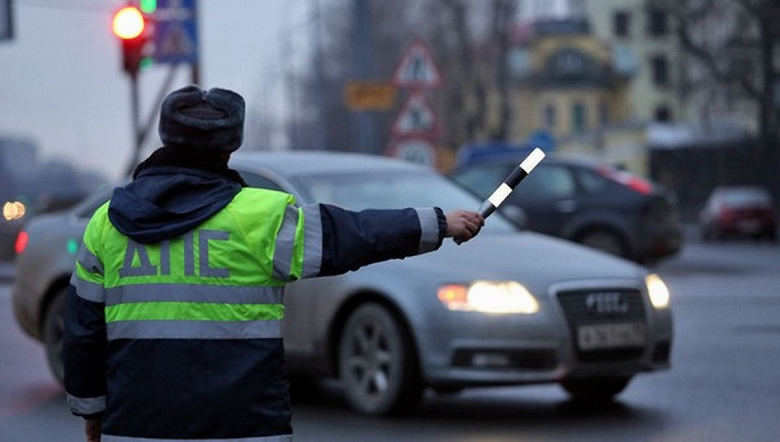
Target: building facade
641,35
569,84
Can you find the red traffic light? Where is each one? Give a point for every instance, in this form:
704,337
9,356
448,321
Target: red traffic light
128,23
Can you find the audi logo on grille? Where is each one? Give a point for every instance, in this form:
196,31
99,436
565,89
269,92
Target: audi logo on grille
606,303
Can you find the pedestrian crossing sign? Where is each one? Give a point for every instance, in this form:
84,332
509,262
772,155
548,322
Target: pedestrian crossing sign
417,69
176,32
416,118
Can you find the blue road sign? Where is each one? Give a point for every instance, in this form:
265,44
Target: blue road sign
176,32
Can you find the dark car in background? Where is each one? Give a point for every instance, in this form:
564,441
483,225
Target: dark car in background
584,201
739,211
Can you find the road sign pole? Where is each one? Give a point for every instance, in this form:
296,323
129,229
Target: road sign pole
362,67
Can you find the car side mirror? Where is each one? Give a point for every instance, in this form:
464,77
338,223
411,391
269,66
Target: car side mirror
515,215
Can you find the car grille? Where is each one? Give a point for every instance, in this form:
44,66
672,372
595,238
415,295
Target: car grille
603,306
509,359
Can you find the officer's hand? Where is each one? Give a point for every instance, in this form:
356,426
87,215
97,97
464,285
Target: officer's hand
463,224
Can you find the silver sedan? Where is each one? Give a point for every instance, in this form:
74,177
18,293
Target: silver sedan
509,307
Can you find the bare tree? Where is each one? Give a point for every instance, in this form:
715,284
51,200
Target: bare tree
736,42
470,40
474,54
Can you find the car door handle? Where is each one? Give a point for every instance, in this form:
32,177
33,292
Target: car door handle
566,206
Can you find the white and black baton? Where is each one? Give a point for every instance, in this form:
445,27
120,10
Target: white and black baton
514,178
499,195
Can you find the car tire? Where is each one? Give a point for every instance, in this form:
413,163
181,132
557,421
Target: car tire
605,241
600,389
53,328
377,363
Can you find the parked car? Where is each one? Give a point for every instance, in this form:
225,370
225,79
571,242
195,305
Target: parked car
739,211
584,201
509,307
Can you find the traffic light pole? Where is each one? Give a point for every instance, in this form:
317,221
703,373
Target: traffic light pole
135,113
140,133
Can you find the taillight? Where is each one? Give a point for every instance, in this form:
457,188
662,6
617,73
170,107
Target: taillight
628,179
725,213
21,242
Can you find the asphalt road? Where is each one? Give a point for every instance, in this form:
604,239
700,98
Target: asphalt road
724,384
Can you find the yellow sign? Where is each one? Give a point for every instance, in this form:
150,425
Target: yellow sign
367,95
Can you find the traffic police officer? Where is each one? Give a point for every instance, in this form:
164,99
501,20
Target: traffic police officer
174,312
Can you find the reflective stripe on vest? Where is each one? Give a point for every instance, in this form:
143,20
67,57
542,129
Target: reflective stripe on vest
188,311
151,329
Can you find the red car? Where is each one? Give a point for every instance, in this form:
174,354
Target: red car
739,211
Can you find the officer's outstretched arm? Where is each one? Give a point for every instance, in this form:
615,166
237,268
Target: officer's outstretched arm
351,239
322,239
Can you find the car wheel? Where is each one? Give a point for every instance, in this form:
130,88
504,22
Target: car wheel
377,363
595,389
53,328
605,241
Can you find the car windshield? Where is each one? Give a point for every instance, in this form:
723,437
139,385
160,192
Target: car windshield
743,197
385,190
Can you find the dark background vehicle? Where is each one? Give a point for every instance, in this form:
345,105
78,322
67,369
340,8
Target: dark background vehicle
739,211
583,201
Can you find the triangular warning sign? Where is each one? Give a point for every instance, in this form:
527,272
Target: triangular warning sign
176,42
417,69
416,118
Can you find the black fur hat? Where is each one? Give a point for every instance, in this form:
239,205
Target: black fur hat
209,120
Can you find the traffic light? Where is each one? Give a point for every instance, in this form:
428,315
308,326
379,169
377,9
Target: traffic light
134,30
148,6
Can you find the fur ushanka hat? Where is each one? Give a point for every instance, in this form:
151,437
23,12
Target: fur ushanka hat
208,120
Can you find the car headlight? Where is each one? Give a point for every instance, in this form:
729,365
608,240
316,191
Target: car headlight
656,289
489,297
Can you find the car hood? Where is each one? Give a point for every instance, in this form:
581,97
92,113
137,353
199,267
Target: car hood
535,259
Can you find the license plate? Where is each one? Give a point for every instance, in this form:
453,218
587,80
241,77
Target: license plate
749,226
605,336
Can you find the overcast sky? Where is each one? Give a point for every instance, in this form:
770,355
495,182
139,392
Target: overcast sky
61,84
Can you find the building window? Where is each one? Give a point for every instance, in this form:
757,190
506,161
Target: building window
657,26
663,114
578,117
549,116
603,112
569,61
621,24
660,70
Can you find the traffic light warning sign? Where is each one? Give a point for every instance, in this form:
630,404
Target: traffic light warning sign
417,69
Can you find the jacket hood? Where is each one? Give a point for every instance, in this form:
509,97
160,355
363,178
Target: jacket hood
165,202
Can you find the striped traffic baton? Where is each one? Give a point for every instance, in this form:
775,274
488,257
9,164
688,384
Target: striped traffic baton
499,195
514,178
